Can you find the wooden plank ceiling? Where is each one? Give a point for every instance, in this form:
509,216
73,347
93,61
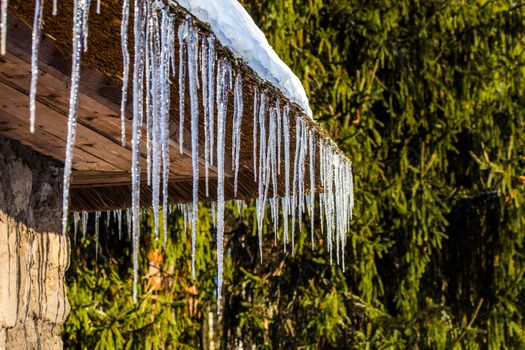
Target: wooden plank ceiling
101,167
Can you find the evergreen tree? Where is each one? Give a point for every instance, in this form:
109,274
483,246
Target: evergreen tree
427,99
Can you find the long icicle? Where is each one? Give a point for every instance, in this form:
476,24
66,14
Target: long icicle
80,10
204,78
255,121
260,203
37,29
125,62
295,184
167,28
212,60
311,213
135,140
192,50
182,33
223,86
3,26
236,129
286,151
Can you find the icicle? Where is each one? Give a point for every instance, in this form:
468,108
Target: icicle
153,87
224,77
128,222
135,141
125,62
212,58
76,218
279,132
119,223
204,77
182,33
37,28
296,175
97,231
3,26
301,171
286,198
148,101
236,129
272,169
240,205
167,25
184,209
213,208
85,22
193,54
98,7
311,140
84,223
80,16
262,181
108,214
302,184
327,173
321,195
255,121
55,8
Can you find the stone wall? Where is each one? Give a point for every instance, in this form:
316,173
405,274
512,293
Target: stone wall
33,254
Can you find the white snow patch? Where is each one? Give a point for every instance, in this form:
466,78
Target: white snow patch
236,30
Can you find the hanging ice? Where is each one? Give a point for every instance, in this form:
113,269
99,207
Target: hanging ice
311,199
153,92
37,28
76,219
204,77
165,96
3,25
80,17
108,217
97,231
295,183
119,223
279,134
260,203
286,151
128,221
138,68
236,129
212,60
271,164
84,223
125,62
192,44
224,77
255,121
213,209
182,33
154,33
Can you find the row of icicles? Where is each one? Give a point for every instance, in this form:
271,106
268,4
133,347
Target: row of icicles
196,63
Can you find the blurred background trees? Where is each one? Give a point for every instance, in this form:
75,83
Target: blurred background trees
428,100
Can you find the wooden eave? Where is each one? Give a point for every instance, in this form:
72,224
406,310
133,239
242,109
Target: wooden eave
101,165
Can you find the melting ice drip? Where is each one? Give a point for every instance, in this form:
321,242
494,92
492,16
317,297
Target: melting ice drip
197,69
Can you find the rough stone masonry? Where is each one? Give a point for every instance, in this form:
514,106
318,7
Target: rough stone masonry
33,254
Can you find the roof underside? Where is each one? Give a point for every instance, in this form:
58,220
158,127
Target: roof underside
101,166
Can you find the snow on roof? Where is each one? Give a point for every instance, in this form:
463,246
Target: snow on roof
236,30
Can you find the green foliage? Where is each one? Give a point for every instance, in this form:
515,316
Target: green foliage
427,99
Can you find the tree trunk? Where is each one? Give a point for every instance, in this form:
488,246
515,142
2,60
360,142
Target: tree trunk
33,254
